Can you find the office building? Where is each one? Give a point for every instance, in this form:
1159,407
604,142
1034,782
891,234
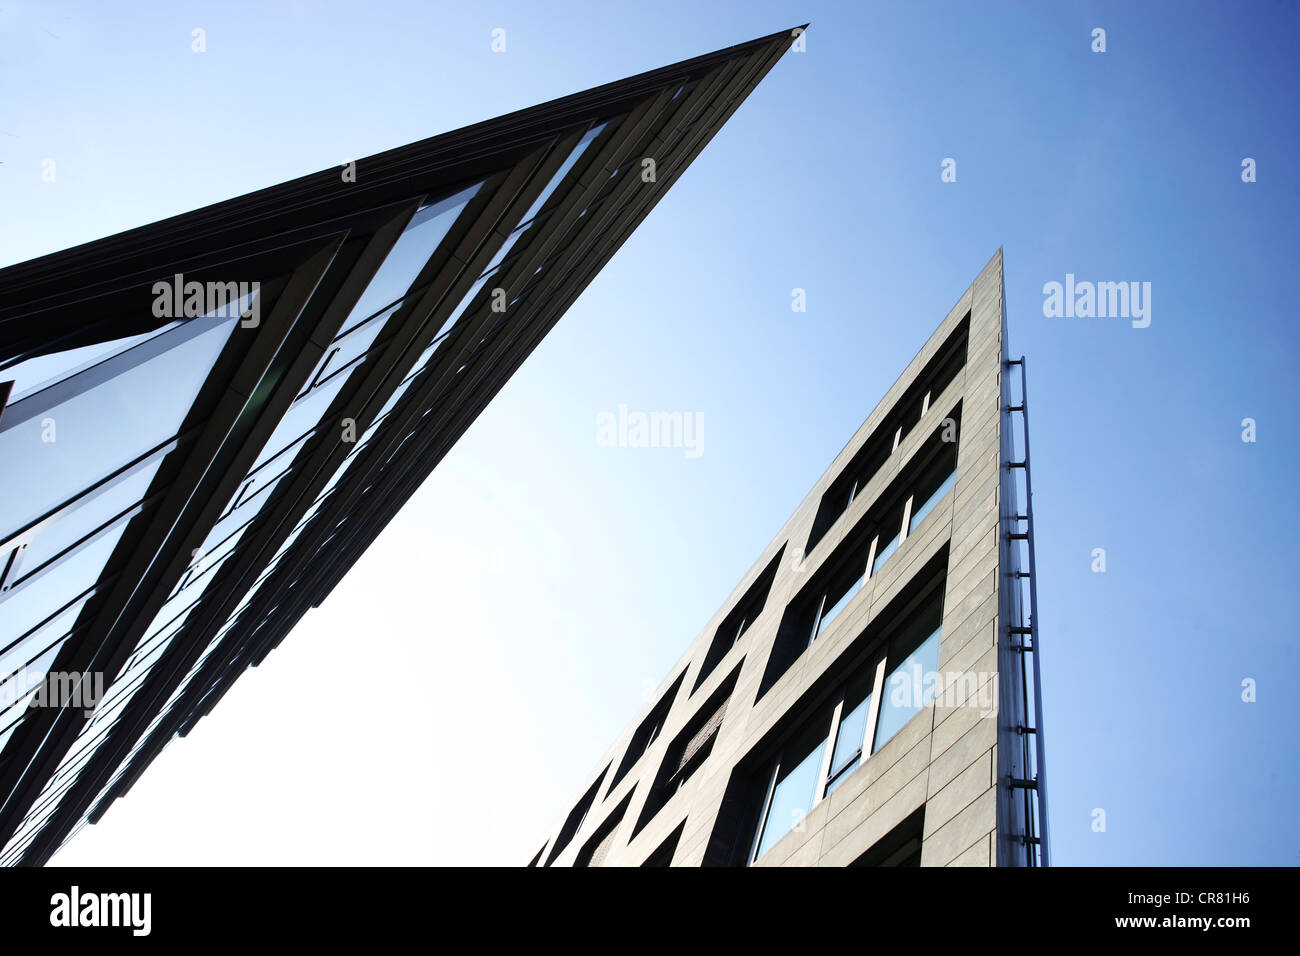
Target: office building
868,694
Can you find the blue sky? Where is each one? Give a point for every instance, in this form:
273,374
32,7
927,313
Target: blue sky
570,577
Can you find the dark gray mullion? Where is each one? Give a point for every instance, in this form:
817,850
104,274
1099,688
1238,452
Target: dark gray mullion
517,189
186,516
48,734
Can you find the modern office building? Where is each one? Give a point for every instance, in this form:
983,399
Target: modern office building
204,422
868,694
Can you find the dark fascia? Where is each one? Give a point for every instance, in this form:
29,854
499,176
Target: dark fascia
48,298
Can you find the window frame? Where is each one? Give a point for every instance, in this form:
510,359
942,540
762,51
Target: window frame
898,645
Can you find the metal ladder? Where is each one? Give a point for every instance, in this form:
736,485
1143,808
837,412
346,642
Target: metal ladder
1024,638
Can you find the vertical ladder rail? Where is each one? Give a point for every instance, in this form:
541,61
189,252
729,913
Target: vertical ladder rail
1040,769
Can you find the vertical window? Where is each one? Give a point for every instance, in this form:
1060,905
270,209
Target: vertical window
795,781
919,515
851,734
908,688
884,552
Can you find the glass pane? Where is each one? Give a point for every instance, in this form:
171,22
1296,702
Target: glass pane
560,173
852,735
908,688
919,514
303,416
125,492
34,644
24,609
34,374
81,440
884,554
792,798
833,612
843,774
417,243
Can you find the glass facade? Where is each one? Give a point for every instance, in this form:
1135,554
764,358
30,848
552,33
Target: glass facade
130,448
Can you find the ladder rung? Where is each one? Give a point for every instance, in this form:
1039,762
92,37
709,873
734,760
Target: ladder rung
1015,783
1016,408
1017,536
1020,574
1017,629
1022,730
1017,464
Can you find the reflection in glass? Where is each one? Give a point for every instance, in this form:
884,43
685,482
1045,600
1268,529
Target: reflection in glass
79,441
792,797
427,228
884,554
919,514
908,688
833,612
849,743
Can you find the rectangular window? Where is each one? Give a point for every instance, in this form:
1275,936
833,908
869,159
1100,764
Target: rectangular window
919,515
892,685
908,688
851,734
884,552
738,621
937,375
938,471
792,794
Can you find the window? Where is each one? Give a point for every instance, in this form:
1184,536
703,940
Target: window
901,846
573,822
891,686
868,547
688,751
851,730
908,688
792,795
647,732
935,482
737,622
915,403
596,850
667,850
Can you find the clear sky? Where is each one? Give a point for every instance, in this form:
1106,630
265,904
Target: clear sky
454,694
